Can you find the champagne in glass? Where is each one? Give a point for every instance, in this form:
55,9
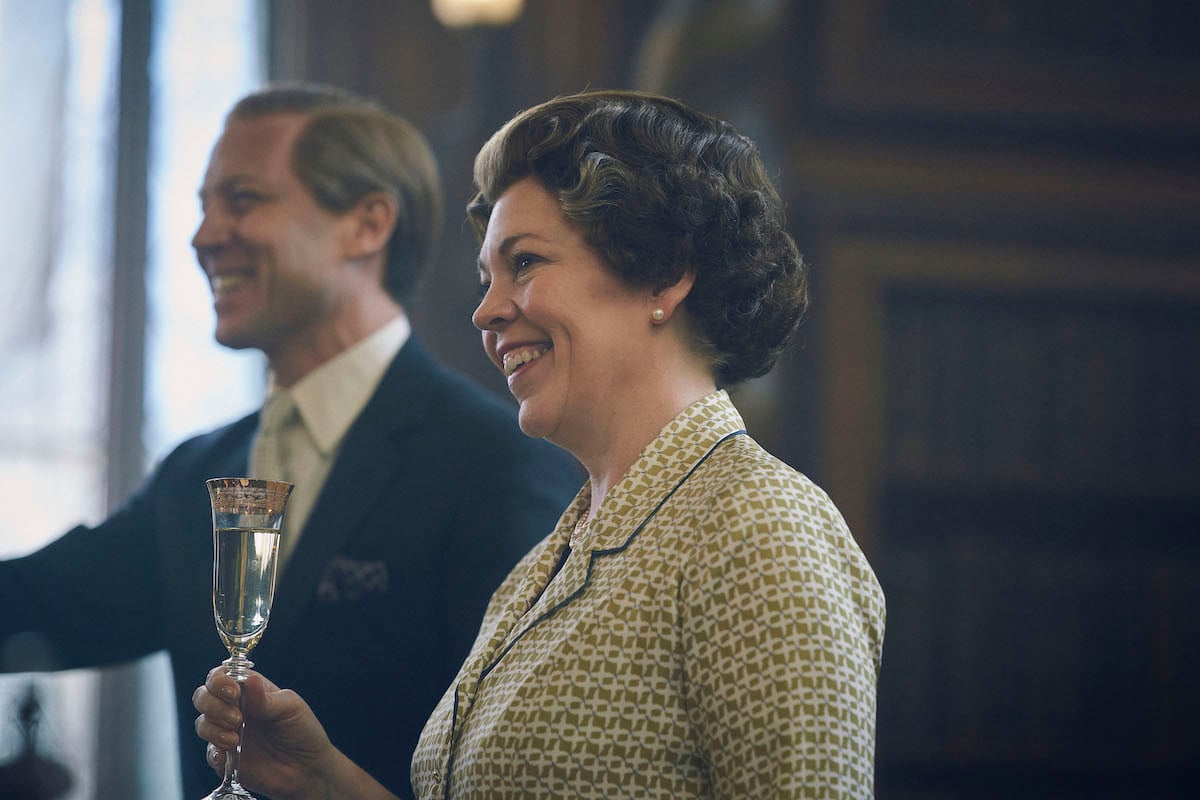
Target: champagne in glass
247,518
244,564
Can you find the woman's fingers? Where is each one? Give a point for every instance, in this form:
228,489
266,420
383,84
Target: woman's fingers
218,731
223,686
217,709
220,718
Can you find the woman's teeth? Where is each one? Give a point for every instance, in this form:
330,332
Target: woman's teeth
515,359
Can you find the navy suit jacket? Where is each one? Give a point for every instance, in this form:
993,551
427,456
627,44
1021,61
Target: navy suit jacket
434,496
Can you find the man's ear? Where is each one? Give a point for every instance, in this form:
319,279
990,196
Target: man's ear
670,298
371,222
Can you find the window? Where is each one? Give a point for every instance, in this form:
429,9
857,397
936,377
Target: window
59,76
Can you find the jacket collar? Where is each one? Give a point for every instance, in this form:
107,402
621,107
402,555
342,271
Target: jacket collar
665,463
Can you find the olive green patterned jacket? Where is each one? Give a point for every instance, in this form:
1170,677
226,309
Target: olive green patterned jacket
717,634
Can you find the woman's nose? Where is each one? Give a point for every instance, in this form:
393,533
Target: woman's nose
494,310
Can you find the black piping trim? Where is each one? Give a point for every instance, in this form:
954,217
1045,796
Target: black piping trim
586,580
597,553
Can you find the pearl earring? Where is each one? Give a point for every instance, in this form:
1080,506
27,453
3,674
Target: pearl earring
658,315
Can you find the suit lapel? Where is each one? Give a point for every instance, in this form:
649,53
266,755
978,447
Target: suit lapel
370,462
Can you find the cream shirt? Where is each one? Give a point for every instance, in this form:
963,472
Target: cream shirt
328,400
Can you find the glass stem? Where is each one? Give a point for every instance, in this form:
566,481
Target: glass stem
236,666
233,758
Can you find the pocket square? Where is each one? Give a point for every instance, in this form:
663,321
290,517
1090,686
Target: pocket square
347,580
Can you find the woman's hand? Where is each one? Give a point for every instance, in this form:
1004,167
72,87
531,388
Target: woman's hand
285,752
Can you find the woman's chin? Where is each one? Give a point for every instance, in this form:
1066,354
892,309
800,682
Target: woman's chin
533,419
530,424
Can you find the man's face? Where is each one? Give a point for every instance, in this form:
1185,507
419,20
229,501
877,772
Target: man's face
271,254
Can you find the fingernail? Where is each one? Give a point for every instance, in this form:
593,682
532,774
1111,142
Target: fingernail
229,739
227,692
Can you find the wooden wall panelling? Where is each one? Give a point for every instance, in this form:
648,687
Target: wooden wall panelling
1062,64
861,272
1039,593
396,52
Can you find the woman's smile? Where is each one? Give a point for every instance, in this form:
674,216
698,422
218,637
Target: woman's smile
515,359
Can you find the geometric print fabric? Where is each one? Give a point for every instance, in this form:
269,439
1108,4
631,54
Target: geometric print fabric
728,648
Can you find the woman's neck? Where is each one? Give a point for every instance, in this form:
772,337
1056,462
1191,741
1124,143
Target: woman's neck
617,444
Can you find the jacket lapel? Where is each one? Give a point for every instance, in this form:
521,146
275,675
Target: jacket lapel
369,464
229,459
662,467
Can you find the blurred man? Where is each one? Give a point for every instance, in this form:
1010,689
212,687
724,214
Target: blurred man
415,490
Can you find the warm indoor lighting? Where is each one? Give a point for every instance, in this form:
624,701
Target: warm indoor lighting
465,13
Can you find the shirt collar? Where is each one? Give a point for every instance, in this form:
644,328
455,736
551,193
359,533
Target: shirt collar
332,396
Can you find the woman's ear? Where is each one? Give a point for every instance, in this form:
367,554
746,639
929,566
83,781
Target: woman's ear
371,222
665,302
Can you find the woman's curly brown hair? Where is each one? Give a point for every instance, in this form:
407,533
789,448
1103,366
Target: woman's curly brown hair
659,189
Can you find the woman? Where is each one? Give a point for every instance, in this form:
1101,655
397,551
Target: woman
700,623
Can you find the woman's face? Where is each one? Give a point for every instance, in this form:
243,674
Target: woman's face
568,334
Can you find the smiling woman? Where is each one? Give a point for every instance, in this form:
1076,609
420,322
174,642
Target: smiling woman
634,260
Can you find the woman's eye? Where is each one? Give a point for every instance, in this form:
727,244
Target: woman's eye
483,288
524,260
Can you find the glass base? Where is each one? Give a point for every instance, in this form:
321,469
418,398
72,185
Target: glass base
233,791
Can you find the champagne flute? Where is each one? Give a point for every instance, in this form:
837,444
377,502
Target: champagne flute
247,518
